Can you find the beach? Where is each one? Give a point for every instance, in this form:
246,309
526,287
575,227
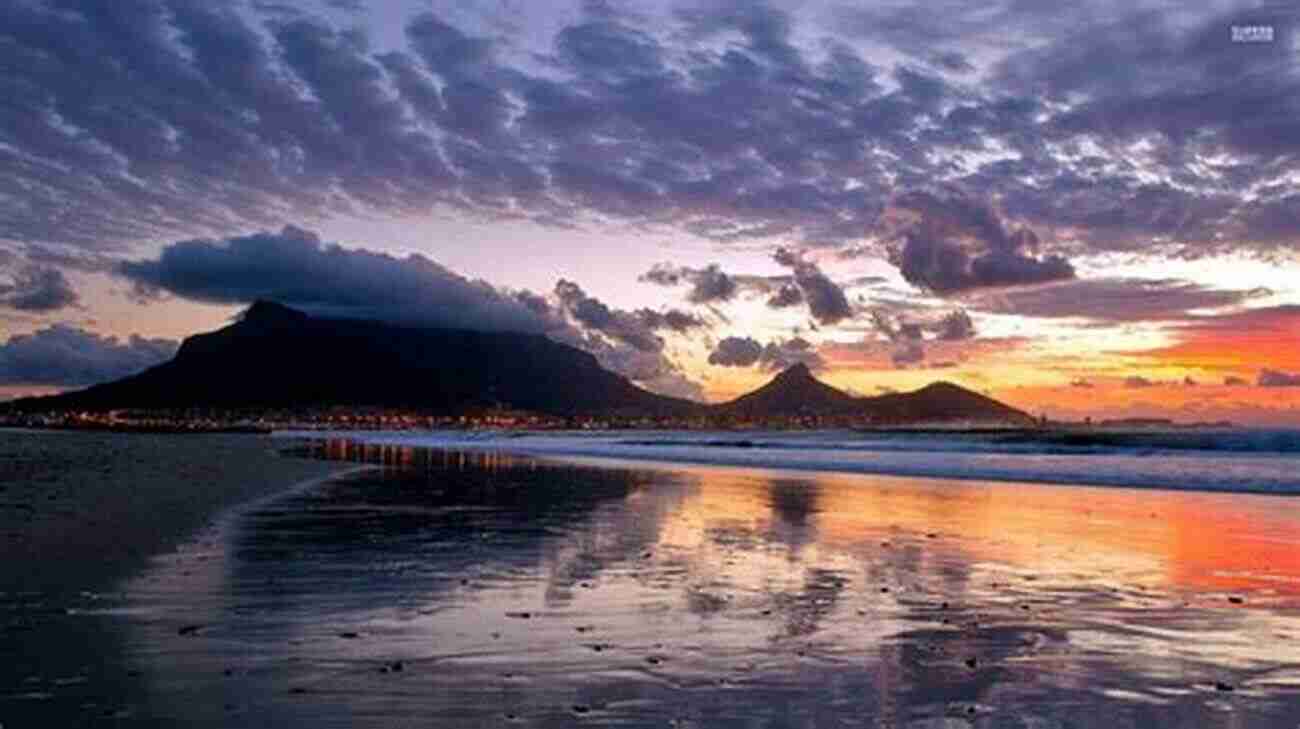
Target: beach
79,513
490,589
484,588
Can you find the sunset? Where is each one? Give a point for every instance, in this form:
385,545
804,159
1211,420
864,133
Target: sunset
772,278
650,183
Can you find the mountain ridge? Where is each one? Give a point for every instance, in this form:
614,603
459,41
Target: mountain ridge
274,356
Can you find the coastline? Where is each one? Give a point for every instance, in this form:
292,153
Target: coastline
473,589
1172,471
65,533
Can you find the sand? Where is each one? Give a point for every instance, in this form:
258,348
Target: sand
483,590
79,513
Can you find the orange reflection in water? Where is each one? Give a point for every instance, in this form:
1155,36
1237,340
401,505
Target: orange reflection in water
1180,541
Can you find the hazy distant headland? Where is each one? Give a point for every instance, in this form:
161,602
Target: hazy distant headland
279,366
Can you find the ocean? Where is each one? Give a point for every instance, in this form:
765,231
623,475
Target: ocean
1231,460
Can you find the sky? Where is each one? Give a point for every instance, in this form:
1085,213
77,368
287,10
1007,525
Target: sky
1084,211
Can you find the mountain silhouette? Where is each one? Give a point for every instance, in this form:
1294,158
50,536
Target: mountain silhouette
275,357
795,392
792,392
278,357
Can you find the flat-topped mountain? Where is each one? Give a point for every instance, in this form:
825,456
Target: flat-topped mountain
275,357
278,357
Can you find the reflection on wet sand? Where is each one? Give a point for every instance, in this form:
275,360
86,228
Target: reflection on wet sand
459,589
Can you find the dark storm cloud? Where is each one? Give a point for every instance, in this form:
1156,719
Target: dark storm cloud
708,285
777,355
826,301
629,328
38,289
623,341
1105,128
1277,378
957,244
736,352
296,268
711,284
65,356
674,320
1115,299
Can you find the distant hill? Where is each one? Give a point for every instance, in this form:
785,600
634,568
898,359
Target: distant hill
943,402
278,357
792,392
795,392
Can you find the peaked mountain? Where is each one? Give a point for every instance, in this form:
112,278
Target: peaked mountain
792,392
278,357
795,392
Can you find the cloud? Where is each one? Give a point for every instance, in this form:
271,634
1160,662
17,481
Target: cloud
66,356
38,289
622,326
909,334
1079,382
1137,382
622,341
955,245
955,326
294,267
712,285
785,297
736,352
1277,378
1128,130
1231,381
826,300
783,354
1114,299
871,354
909,353
674,320
708,285
776,355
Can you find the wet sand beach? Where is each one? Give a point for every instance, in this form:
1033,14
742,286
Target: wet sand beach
79,513
466,590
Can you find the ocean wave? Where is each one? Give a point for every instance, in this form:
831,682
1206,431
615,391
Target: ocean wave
1136,464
